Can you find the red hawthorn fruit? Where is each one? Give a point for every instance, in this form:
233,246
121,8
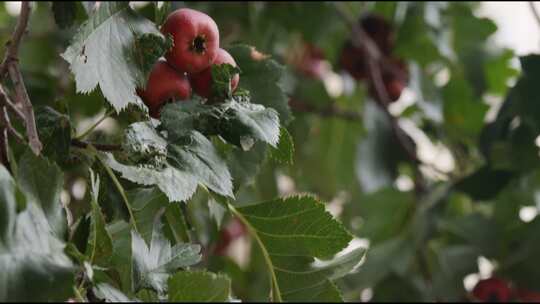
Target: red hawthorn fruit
492,290
311,62
395,76
393,86
202,82
353,60
196,40
164,83
231,232
380,30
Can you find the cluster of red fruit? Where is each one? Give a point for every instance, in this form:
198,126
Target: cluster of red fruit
187,65
499,290
354,59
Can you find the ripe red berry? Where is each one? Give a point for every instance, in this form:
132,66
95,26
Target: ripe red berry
164,83
380,30
196,40
394,88
354,61
202,82
492,290
310,61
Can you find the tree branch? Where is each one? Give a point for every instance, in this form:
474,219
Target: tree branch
100,147
13,44
11,64
7,102
361,39
534,12
330,111
6,123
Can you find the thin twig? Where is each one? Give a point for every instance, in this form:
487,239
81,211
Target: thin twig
27,109
329,111
12,106
13,44
92,127
6,123
101,147
534,12
11,64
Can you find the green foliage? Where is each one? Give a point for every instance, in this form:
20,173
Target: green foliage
199,286
301,221
113,49
144,209
152,266
31,253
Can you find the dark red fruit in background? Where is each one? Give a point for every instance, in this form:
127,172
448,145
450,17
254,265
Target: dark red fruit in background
380,30
202,82
394,88
231,232
311,62
353,60
492,290
164,83
196,40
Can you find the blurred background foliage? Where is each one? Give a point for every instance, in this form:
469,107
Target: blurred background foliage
470,110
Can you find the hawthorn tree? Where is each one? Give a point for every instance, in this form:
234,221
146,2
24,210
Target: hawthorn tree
171,151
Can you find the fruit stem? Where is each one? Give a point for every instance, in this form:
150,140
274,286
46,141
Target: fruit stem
92,127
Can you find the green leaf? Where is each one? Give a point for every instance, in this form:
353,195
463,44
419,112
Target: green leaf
391,256
153,266
100,248
415,40
376,164
148,48
245,165
67,13
54,130
146,203
284,151
463,112
200,159
385,213
238,122
498,71
261,76
246,122
473,184
144,145
108,293
191,160
162,12
108,51
199,286
452,265
504,143
34,266
292,232
42,182
221,80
